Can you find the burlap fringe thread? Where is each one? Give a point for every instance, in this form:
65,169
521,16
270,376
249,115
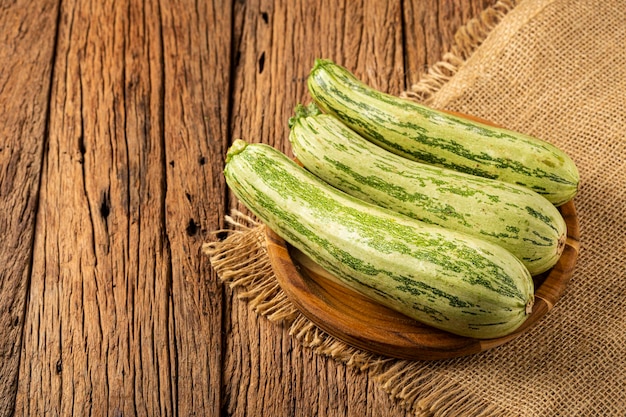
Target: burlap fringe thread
466,40
241,261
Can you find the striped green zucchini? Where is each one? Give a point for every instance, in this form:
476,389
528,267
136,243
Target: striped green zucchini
443,278
514,217
427,135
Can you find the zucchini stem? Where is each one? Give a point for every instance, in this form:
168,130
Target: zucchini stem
302,111
237,147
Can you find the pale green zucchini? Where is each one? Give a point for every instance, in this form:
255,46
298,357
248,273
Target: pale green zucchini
449,280
514,217
427,135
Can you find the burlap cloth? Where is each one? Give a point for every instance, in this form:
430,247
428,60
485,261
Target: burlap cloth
551,68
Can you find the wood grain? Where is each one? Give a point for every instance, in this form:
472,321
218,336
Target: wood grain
97,331
115,121
196,70
122,318
27,42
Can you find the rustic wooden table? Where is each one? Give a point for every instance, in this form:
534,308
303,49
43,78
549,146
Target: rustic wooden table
115,118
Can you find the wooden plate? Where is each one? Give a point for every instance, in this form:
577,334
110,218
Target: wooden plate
364,324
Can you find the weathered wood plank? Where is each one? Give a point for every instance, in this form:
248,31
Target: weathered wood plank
98,332
26,51
124,316
197,81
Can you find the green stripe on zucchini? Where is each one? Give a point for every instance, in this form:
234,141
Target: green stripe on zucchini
518,219
443,278
427,135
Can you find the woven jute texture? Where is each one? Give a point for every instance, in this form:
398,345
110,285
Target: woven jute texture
555,69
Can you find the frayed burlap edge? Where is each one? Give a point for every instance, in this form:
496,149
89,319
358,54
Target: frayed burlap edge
466,40
241,261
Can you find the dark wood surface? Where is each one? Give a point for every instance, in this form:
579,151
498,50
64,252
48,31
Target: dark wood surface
115,119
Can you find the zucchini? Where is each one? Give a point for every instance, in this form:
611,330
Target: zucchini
423,134
514,217
446,279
